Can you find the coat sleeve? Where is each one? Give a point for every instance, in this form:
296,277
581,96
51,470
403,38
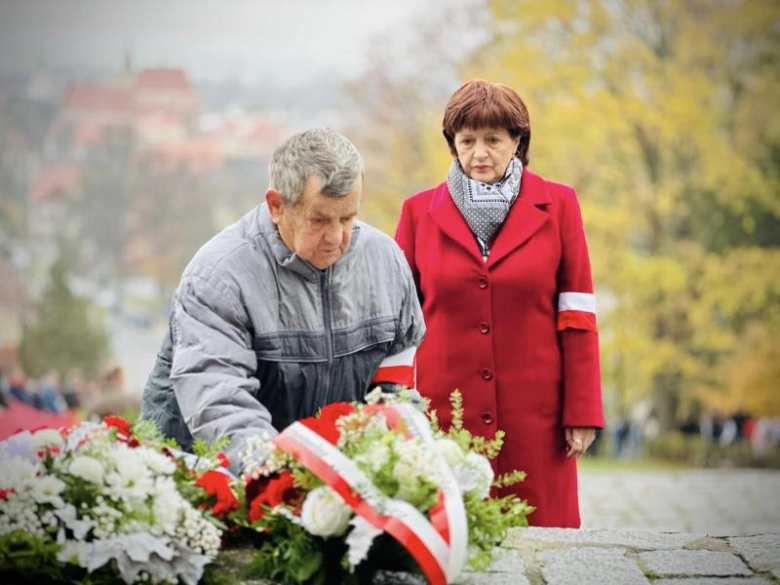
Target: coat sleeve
400,366
213,364
577,323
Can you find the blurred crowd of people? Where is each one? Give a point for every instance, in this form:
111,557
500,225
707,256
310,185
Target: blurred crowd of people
73,396
628,434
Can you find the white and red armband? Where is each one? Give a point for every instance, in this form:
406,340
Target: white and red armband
577,310
399,368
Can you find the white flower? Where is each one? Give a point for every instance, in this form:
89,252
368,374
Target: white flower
73,552
416,463
155,461
87,468
360,540
375,457
18,474
324,513
132,479
451,452
69,517
47,490
46,438
474,475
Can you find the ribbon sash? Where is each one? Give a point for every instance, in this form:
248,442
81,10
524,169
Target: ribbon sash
439,546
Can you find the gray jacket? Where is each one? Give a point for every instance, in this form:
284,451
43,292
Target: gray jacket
259,338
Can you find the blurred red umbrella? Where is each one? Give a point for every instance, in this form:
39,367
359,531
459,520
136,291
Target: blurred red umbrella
20,416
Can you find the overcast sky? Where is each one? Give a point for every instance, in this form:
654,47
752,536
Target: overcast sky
290,40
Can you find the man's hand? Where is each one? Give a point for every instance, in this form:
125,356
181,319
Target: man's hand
578,439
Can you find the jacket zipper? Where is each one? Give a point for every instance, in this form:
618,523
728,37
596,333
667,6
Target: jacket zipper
325,291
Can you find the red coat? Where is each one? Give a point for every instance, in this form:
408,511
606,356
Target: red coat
517,335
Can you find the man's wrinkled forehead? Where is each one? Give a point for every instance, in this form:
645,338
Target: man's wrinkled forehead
313,197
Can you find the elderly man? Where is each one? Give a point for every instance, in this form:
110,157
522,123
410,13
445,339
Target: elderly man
295,306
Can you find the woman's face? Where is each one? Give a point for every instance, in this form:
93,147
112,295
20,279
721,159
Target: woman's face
485,153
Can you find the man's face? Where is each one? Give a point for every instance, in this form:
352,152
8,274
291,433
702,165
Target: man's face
317,228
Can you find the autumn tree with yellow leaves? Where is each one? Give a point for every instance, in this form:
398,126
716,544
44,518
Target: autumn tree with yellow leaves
662,115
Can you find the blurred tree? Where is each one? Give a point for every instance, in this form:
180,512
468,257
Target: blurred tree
172,216
395,112
655,111
64,336
658,113
110,177
23,125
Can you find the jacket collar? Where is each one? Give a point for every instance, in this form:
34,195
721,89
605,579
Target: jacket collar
525,218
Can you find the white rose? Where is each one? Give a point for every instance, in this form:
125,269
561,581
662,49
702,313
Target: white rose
87,468
324,513
46,438
451,452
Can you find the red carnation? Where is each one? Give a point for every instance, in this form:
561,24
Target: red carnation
119,424
325,424
275,492
217,484
224,461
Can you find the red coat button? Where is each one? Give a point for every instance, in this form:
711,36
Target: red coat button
488,418
484,328
483,282
487,374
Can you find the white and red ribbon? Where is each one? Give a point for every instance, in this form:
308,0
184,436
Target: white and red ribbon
438,545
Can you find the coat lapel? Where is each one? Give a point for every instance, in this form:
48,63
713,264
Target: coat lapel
528,214
448,217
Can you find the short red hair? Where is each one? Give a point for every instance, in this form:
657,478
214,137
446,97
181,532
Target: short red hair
483,104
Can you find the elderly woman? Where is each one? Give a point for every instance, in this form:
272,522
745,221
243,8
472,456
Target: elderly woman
502,271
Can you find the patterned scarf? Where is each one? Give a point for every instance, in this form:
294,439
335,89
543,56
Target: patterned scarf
483,206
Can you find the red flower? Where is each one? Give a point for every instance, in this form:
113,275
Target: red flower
217,484
119,424
325,424
223,460
274,492
4,493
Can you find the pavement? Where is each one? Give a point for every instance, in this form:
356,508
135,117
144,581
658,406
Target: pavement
718,502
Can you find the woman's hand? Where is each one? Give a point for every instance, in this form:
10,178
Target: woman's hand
578,439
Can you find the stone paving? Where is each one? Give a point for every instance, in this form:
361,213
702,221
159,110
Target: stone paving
550,556
718,502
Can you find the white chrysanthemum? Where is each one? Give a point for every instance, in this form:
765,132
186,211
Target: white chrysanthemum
46,438
87,468
324,513
485,471
474,475
416,463
156,461
375,457
47,489
451,452
167,505
132,480
18,473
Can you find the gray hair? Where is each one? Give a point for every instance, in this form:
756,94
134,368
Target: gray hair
321,152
